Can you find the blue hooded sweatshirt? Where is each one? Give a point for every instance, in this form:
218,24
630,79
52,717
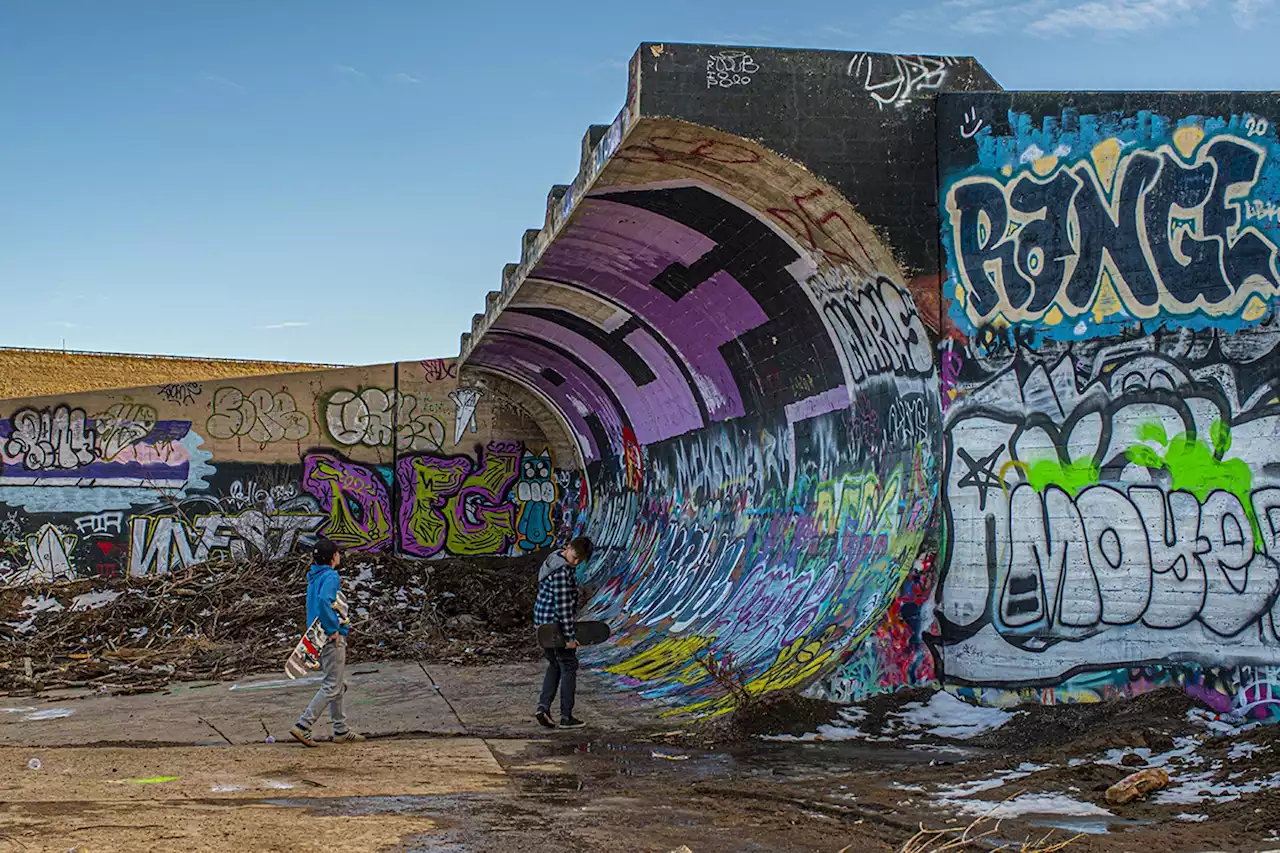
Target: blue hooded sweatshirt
322,591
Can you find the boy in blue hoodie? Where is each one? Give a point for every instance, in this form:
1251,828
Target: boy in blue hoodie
323,603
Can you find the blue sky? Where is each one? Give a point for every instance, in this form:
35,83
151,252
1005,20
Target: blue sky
343,181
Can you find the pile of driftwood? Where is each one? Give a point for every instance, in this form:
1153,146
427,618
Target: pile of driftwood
224,620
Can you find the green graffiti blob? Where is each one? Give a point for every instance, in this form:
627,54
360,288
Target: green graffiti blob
1197,467
1071,477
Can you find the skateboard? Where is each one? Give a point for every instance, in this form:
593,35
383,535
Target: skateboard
306,655
586,633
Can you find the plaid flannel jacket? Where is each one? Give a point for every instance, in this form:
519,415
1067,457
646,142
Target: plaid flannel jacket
557,601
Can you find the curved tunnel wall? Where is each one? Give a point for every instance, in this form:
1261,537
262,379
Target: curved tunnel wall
755,399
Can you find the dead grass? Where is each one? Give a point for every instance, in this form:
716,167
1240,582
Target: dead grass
39,373
978,835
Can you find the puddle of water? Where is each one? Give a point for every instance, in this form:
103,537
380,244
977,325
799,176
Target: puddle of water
549,783
795,761
398,805
1090,825
47,714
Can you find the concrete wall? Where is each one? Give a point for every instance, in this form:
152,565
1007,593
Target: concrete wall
1112,507
414,458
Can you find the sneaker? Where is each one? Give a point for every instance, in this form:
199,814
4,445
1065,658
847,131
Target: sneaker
349,737
571,723
302,736
544,719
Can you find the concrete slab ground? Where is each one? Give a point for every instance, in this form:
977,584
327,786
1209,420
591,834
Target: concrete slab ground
384,699
456,765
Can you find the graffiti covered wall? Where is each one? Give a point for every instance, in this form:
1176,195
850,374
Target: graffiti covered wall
756,398
413,458
1111,501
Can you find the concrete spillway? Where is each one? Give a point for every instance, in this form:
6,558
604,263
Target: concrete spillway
861,372
740,358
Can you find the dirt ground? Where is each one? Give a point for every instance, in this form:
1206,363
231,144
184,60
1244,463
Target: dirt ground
456,765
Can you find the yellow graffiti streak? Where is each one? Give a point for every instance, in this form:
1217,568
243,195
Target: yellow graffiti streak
796,664
671,658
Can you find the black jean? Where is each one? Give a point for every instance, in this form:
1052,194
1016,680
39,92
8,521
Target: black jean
562,673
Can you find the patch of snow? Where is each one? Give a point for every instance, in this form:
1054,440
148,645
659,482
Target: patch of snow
950,717
15,710
1183,751
279,786
40,605
1033,804
1244,750
1197,789
1193,818
943,715
968,789
47,714
364,577
94,600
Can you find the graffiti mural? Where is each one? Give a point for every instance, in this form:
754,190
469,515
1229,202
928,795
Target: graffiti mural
109,484
876,323
356,498
1139,503
167,543
370,417
1112,507
536,496
260,416
59,459
1116,222
724,559
458,504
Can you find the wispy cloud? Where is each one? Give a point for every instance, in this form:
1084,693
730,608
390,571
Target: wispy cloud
407,79
215,81
1246,13
1065,18
971,17
289,324
1114,16
349,71
66,324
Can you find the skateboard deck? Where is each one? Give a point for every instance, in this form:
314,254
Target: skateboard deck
586,633
306,655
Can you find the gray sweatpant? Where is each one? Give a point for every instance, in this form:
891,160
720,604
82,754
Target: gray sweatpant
333,662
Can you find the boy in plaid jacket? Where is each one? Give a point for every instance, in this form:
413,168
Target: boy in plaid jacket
557,604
